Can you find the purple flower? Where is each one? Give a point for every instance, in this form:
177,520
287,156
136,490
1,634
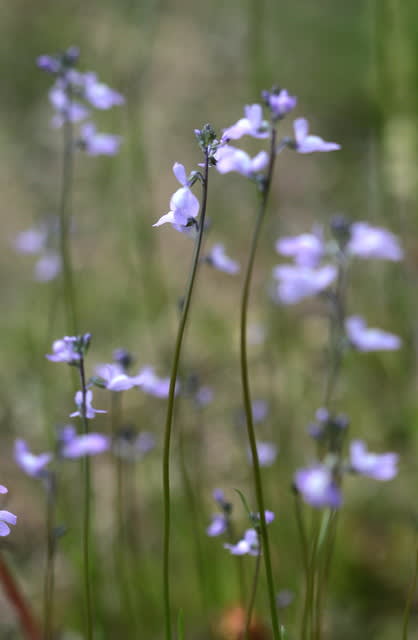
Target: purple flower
249,544
260,410
30,241
65,107
6,517
3,489
114,377
48,267
306,249
152,384
281,103
379,467
252,125
90,411
267,453
218,525
184,206
268,515
63,350
305,143
48,63
74,446
232,159
96,144
373,242
317,487
100,95
365,339
297,282
31,464
217,258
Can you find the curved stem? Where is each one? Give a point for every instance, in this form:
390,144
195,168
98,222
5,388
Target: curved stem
246,388
65,226
170,404
86,515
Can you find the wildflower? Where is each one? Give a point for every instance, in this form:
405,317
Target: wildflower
30,241
96,144
306,249
184,206
317,487
33,465
99,95
267,453
48,63
379,467
232,159
64,350
90,411
248,544
280,103
373,339
76,446
373,242
114,378
252,125
298,282
48,267
6,517
305,143
149,382
218,259
260,410
268,515
218,525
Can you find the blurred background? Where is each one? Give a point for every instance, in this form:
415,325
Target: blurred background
180,65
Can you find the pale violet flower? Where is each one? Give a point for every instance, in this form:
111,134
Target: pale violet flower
96,144
365,339
260,410
77,446
114,377
218,525
306,249
251,125
33,465
232,159
267,453
47,267
90,411
99,95
149,382
281,103
218,259
317,488
248,544
30,241
3,489
64,350
6,518
305,143
184,206
378,466
268,515
65,107
298,282
373,242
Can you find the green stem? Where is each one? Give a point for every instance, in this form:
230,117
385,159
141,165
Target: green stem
246,388
65,227
302,534
50,557
87,514
409,600
251,603
170,405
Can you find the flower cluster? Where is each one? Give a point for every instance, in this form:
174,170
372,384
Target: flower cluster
72,97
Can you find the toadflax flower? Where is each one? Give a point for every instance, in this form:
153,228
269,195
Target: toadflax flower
317,488
184,206
267,453
365,339
64,351
280,103
373,242
218,525
218,259
298,282
97,144
6,517
306,249
72,445
232,159
378,466
305,143
90,411
248,544
99,95
114,377
251,125
33,465
149,382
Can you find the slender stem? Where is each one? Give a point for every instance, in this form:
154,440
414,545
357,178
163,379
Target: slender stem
170,404
86,515
65,226
251,603
30,627
50,557
246,388
302,534
409,600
